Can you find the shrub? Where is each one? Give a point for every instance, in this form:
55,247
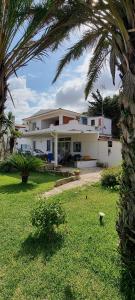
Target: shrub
47,216
6,166
111,177
25,164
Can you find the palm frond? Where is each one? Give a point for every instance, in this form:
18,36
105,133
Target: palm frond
96,64
113,61
88,40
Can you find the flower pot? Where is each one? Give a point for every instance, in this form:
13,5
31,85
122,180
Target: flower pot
25,178
77,173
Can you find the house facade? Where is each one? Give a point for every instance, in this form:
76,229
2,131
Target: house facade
65,134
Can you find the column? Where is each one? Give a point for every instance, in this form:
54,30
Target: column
60,119
56,149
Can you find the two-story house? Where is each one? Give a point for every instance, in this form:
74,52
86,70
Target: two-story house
65,133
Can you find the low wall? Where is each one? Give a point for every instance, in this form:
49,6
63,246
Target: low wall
82,164
60,182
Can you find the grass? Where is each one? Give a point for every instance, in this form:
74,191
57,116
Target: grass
82,263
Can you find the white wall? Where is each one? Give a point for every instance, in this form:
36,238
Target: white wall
23,141
89,144
30,126
41,143
106,125
110,156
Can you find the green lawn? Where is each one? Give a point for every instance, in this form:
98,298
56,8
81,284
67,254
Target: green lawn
84,264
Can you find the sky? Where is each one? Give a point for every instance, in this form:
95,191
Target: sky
33,89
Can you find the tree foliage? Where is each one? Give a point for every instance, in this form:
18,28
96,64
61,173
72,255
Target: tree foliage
110,108
29,29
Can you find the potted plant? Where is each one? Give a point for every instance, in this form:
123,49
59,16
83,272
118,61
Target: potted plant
25,164
77,172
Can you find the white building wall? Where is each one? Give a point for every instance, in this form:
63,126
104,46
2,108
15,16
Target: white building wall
104,128
24,141
30,123
89,144
41,143
107,128
111,156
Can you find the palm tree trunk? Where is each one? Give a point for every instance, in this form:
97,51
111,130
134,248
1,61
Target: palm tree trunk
126,221
3,96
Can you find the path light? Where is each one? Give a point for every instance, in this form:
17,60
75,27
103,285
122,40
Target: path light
101,218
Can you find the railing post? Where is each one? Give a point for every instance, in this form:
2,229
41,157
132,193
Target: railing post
56,149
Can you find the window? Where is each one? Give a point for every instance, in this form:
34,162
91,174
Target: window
34,126
48,145
84,120
92,122
77,147
66,139
110,144
24,147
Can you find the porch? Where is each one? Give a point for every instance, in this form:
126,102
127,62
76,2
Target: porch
72,148
77,150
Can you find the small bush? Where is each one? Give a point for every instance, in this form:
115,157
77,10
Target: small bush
111,177
47,216
6,166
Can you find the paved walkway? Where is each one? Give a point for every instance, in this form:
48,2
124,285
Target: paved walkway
87,176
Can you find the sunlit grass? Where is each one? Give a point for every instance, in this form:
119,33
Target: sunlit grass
81,263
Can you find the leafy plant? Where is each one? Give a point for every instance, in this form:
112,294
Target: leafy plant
25,164
6,166
47,216
111,177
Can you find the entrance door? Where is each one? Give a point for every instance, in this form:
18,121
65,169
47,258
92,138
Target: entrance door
64,148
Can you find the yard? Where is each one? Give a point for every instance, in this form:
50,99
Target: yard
83,263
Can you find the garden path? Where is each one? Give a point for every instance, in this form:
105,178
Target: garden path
87,176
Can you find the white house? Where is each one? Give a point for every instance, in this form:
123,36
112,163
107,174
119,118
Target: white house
62,133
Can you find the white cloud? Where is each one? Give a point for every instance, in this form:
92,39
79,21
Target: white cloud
68,93
27,101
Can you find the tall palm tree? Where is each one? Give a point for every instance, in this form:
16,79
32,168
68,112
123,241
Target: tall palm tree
11,131
109,30
28,29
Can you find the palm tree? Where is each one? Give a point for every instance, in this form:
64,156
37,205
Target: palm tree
109,29
28,29
25,164
10,128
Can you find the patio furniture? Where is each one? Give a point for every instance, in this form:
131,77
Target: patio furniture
50,157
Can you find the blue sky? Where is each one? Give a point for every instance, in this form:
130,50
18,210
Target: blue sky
33,89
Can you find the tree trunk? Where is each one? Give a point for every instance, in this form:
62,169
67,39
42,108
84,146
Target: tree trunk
25,178
3,97
126,221
12,143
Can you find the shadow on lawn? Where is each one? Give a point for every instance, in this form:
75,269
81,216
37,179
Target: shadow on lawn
69,293
35,245
36,177
127,285
34,180
15,188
